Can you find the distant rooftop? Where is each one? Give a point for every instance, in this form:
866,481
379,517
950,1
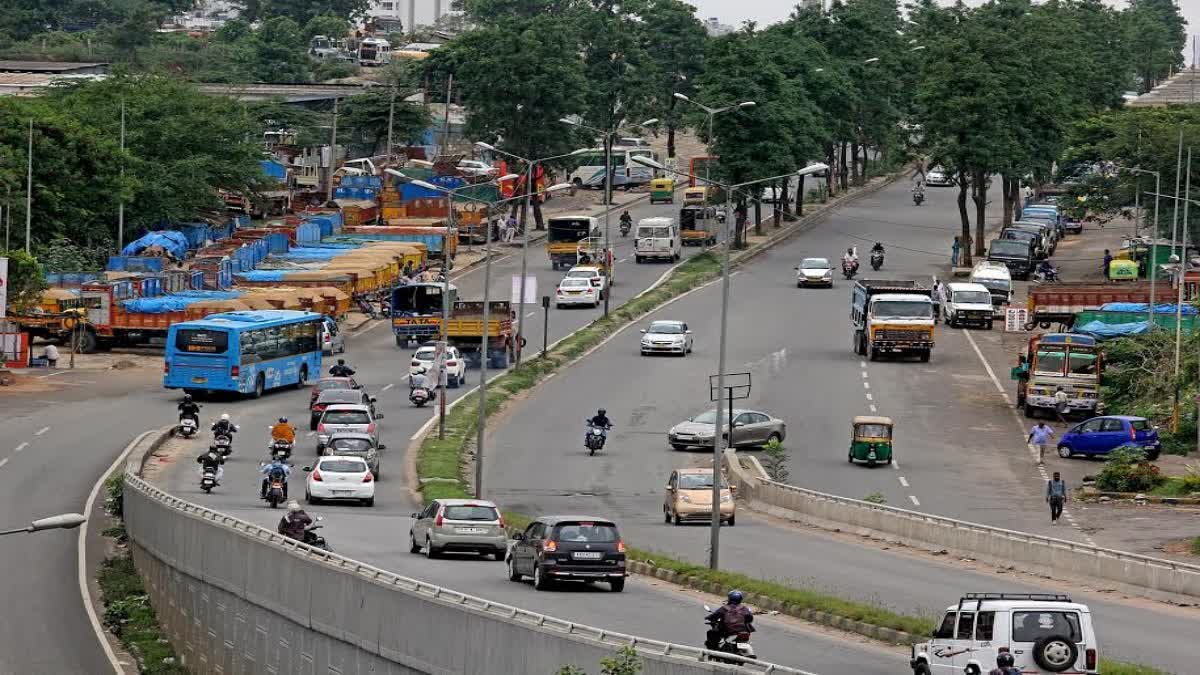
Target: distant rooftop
60,67
31,84
1182,88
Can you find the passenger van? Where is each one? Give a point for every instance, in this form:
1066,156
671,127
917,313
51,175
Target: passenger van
657,238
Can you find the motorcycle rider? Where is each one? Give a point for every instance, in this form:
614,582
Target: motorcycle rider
213,461
732,618
851,258
1046,271
1004,664
918,192
274,469
224,427
282,431
626,221
601,421
189,408
419,380
341,369
292,524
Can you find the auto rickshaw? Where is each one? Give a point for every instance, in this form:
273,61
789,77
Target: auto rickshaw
662,190
871,440
695,196
1123,269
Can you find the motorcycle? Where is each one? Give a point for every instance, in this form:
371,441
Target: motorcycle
280,449
224,444
419,396
918,197
188,426
276,489
594,438
737,645
876,260
312,538
365,306
625,227
208,480
849,269
1041,275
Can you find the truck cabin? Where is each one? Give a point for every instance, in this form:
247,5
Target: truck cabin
420,300
569,230
1064,355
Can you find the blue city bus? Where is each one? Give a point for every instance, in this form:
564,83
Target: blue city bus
248,352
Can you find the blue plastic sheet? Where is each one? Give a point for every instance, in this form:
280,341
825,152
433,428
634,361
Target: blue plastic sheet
1108,331
263,275
1165,308
172,241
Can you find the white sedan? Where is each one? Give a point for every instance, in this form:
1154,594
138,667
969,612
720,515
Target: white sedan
592,274
667,337
814,272
456,367
341,477
471,167
575,291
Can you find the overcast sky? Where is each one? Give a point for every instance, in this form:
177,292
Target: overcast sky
770,11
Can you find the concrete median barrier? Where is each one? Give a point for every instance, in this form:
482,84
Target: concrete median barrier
235,597
1131,573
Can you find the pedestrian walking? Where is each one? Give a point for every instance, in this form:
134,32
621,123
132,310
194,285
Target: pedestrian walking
50,353
955,249
1040,436
510,229
1061,400
1056,496
1107,262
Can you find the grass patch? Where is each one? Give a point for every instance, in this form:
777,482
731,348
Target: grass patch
128,614
1111,667
1196,546
442,459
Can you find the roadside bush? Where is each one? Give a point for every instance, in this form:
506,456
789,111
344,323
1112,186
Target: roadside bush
1128,470
626,662
774,461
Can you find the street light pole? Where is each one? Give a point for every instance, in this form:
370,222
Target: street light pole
29,191
121,204
65,521
1154,233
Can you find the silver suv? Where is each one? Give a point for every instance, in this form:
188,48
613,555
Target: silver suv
471,525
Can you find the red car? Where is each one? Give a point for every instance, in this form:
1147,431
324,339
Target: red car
327,383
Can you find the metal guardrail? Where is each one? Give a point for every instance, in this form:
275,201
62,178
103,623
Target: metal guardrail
988,529
503,611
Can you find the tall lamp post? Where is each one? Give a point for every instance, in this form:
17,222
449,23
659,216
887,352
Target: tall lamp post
712,113
530,175
65,521
608,142
483,343
1153,244
718,437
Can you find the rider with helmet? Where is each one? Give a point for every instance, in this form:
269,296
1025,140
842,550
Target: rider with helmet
1004,664
851,258
282,431
600,421
275,469
224,426
189,408
341,369
732,618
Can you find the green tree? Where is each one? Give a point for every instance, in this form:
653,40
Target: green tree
626,662
25,280
277,52
329,25
1156,37
366,120
673,41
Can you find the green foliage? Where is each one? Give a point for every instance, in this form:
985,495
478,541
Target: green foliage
366,121
1126,469
1187,485
626,662
302,11
114,503
129,615
775,458
329,25
323,71
277,53
1196,546
63,255
1139,379
1111,667
875,498
1156,37
25,280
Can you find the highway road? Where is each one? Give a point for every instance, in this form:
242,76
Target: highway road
958,447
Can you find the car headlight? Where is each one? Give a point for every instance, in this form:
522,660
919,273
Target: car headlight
704,434
645,341
678,340
827,275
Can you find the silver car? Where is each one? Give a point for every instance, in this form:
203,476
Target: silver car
469,525
333,341
348,418
750,428
667,337
346,444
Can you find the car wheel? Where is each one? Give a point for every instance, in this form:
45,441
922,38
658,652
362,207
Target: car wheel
921,668
430,551
637,259
540,582
1152,456
850,457
872,353
312,424
413,546
309,499
617,585
369,501
775,437
1028,410
1065,452
925,356
678,520
1055,653
558,305
799,285
666,515
732,521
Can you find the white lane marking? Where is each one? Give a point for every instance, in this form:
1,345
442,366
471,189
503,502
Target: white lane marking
873,408
386,387
3,461
864,374
310,434
862,364
61,372
914,500
624,259
903,480
895,465
869,396
41,431
986,365
530,314
22,447
866,385
368,329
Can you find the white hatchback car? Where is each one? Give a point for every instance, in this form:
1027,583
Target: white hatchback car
341,477
456,367
1044,632
576,292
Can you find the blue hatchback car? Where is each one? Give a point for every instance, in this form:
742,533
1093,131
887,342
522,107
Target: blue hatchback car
1100,435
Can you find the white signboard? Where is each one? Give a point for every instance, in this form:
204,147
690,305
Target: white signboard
3,288
1015,319
531,294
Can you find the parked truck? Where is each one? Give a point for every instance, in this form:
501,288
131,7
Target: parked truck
416,314
1059,302
891,316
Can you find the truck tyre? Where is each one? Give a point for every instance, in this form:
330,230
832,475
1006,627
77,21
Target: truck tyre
88,342
925,356
260,385
401,341
872,353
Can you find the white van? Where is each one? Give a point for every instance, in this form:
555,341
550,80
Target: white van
657,238
965,303
998,280
1045,633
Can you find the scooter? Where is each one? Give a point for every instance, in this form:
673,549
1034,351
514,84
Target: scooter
280,449
224,443
849,269
419,396
276,488
1042,276
208,480
876,260
188,426
625,227
365,306
313,539
918,197
738,645
594,438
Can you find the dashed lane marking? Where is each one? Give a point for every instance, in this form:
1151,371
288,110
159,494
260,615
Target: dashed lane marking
895,464
914,500
866,385
22,447
903,481
3,461
873,408
870,396
386,387
862,364
41,431
530,314
864,374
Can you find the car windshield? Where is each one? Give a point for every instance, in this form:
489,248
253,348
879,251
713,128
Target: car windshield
978,297
995,284
1009,247
666,328
323,385
1050,360
346,417
903,309
574,283
814,264
656,232
351,444
593,533
1020,234
873,431
709,417
343,466
339,396
697,481
424,355
471,512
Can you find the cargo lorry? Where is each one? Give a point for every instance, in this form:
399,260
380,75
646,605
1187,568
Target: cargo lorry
891,317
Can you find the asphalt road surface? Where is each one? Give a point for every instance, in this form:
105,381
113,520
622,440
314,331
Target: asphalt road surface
958,449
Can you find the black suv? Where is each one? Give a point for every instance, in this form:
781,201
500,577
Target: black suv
568,548
1017,255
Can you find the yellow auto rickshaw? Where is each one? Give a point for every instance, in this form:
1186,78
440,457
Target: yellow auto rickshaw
695,196
1120,270
662,190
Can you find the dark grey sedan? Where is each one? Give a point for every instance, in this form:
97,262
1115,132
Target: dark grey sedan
350,444
750,428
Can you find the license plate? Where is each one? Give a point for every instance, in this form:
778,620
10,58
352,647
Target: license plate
587,555
342,493
199,380
470,530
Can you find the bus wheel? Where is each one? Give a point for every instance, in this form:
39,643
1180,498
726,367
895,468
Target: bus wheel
260,384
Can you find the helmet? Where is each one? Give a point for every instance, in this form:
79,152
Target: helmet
1004,659
224,417
293,506
283,420
213,448
187,398
850,250
601,412
735,597
341,362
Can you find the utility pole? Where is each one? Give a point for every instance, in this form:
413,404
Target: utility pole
121,204
446,115
1180,284
608,176
332,154
391,120
483,359
29,192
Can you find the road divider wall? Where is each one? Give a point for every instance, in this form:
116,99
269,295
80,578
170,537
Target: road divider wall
236,597
1156,578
